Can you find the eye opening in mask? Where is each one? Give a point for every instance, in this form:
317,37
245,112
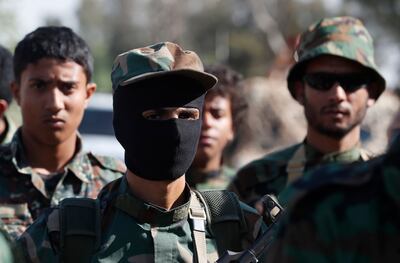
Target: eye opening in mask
350,82
168,113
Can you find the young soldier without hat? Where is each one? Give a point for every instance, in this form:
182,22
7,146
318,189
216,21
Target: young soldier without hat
44,162
223,112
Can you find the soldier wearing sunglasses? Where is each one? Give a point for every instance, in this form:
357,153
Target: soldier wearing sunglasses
336,80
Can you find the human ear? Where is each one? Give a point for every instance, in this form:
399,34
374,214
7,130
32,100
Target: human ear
90,89
299,93
15,90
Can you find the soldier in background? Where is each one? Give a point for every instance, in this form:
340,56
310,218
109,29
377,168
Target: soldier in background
336,80
343,213
7,126
151,214
44,163
223,112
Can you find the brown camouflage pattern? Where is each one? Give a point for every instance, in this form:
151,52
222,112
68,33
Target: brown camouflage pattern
345,37
158,59
23,196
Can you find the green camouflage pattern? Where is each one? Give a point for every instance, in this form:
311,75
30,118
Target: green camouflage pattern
158,59
136,231
268,175
216,180
344,37
23,195
344,213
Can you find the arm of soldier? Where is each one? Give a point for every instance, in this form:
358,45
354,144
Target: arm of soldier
305,233
244,182
35,243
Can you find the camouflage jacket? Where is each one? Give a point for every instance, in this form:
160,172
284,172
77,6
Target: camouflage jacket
23,192
211,180
344,213
272,173
135,231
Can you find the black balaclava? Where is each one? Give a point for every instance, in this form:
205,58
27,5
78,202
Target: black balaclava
157,149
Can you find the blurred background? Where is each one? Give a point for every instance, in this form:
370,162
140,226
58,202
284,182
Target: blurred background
254,37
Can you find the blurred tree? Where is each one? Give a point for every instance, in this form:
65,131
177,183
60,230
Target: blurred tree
245,34
386,13
8,25
94,28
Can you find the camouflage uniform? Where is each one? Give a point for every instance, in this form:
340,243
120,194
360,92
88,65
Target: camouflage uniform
24,195
343,37
210,180
344,213
271,174
133,230
136,231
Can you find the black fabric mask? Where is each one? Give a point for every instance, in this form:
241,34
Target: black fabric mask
157,149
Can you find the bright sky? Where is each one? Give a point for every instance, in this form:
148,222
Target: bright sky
32,13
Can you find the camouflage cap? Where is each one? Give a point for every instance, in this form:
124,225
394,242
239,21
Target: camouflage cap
164,58
344,37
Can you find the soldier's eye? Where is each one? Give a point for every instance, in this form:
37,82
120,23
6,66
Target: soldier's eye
151,115
189,114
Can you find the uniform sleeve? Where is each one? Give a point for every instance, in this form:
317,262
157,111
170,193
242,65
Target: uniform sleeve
243,184
35,244
306,233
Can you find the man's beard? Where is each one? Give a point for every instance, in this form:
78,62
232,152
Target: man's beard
334,132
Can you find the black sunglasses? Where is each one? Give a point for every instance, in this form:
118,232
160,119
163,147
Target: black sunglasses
324,81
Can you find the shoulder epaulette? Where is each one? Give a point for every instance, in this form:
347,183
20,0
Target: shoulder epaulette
108,162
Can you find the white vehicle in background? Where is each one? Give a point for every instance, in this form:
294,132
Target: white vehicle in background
96,128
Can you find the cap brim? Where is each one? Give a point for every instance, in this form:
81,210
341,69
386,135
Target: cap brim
206,80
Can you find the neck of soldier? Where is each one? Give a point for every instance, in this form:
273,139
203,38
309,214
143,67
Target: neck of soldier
48,158
328,144
166,194
207,165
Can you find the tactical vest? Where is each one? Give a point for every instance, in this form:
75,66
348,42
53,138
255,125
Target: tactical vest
217,211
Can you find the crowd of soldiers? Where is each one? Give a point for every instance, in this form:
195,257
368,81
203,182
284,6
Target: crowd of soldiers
173,199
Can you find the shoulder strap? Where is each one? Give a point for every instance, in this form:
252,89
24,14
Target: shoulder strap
225,219
197,215
296,164
79,229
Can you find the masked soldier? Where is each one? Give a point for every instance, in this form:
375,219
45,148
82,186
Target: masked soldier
150,214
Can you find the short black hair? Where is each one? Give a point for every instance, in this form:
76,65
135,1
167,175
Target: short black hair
230,85
57,42
6,74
